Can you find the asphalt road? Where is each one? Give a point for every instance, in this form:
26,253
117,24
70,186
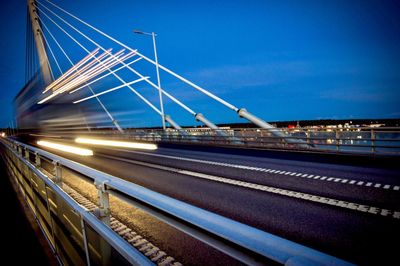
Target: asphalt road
363,236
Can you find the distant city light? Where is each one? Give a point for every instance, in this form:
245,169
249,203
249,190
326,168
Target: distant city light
3,134
113,143
66,148
330,141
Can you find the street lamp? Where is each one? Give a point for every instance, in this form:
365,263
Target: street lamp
153,35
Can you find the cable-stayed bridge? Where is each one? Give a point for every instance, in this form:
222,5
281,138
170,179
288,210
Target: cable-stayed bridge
105,192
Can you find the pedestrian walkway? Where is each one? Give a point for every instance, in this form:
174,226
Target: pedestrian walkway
20,232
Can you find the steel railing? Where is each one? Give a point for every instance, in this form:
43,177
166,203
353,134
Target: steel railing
368,140
365,140
242,242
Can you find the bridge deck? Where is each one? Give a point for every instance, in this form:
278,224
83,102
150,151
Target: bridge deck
193,174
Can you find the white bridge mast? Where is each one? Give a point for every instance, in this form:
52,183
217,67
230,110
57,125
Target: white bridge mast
40,46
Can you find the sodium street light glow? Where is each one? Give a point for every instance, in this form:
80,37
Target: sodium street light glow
66,148
113,143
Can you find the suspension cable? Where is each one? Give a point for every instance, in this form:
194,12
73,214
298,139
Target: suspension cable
213,96
52,54
105,75
131,69
72,64
97,45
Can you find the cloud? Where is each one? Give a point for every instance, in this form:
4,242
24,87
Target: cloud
242,76
357,94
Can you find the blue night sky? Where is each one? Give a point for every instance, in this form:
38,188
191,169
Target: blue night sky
281,60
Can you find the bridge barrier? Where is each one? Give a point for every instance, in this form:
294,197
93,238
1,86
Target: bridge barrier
78,236
365,140
354,140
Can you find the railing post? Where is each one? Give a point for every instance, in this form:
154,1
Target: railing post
38,162
26,154
337,136
19,149
308,137
373,138
283,142
57,172
103,212
85,242
53,240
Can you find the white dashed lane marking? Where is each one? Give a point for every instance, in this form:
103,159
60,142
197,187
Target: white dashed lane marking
274,190
273,171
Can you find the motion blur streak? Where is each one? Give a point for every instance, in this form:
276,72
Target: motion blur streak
113,143
66,148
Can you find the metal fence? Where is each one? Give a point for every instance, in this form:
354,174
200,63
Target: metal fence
368,140
78,236
360,140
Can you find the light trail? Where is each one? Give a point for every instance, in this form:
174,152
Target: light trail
66,148
113,143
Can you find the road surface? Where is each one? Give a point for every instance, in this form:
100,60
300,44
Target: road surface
347,210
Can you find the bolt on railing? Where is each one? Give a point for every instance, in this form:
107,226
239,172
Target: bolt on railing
103,211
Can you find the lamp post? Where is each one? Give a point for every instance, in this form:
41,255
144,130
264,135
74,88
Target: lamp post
153,35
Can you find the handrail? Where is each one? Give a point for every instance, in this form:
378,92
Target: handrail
382,140
127,251
337,143
244,236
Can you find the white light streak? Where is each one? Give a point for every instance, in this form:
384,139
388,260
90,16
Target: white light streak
113,143
66,148
83,61
110,90
105,75
85,70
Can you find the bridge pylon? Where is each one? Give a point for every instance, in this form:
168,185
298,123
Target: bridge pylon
39,42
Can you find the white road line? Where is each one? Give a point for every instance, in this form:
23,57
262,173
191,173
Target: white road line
274,190
259,169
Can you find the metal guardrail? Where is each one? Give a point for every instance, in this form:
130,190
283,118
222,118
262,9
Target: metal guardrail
367,140
76,236
356,140
242,242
